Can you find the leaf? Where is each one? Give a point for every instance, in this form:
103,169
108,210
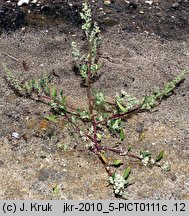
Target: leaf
83,71
166,167
113,176
123,109
126,173
52,118
121,135
117,163
103,158
63,100
43,124
141,136
99,136
56,190
53,92
65,147
47,91
145,154
160,156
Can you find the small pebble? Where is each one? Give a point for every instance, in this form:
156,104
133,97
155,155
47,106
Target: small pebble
16,135
43,156
175,5
149,2
139,127
173,177
1,163
2,12
21,2
107,2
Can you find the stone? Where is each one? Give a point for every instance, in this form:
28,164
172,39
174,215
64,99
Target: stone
15,135
2,12
21,2
175,5
149,2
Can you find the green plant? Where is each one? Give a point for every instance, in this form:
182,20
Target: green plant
101,116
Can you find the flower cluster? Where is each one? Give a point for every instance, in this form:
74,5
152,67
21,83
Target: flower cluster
118,183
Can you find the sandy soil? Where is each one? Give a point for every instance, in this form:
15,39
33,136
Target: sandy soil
142,47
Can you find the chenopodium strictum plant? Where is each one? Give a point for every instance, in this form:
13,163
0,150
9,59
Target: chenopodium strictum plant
100,113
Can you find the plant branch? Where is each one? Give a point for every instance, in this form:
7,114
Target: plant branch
77,128
120,115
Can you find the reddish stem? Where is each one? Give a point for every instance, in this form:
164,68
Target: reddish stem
90,100
77,128
119,115
133,155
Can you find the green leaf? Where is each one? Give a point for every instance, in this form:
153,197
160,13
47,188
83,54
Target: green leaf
56,190
160,156
123,109
126,173
166,167
47,90
99,98
53,92
63,100
117,163
52,118
103,158
145,154
141,136
113,176
83,71
83,114
99,136
121,135
65,147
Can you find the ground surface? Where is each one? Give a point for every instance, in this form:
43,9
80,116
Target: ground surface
143,46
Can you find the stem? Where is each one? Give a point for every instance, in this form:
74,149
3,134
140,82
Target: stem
90,100
6,54
77,128
120,115
133,156
67,106
89,95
